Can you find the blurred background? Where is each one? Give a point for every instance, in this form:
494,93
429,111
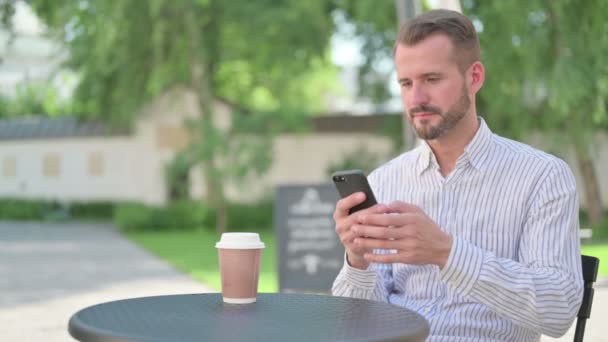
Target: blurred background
168,122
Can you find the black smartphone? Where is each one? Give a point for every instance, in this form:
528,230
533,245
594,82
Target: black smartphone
350,181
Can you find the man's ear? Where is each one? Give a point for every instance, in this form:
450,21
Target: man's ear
477,75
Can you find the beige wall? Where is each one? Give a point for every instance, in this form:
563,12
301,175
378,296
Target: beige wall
59,169
132,168
102,168
163,130
299,159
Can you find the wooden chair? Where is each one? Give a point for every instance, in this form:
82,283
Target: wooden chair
590,267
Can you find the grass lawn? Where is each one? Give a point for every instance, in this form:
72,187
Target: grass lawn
194,253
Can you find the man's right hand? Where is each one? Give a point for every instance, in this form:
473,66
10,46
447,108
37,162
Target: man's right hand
344,222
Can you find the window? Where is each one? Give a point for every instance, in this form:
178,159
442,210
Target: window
9,167
95,164
172,137
51,166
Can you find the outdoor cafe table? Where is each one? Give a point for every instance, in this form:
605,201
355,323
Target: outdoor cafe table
274,317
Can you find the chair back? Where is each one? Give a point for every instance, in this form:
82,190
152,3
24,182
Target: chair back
590,267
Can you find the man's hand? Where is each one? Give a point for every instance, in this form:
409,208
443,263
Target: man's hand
408,230
344,222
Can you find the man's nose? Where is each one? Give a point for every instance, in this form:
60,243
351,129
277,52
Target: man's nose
418,95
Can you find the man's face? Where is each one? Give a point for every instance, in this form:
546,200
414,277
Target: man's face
433,89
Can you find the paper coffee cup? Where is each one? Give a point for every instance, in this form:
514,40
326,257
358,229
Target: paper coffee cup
240,257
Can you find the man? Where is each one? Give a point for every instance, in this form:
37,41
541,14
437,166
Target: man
477,233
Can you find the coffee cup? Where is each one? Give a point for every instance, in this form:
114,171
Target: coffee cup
240,257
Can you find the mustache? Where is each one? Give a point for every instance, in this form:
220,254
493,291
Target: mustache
424,109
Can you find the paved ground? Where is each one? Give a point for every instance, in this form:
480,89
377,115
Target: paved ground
50,271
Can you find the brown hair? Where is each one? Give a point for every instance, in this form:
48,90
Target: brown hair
457,27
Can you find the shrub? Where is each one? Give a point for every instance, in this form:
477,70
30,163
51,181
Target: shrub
245,216
101,210
183,214
177,215
600,231
23,209
250,216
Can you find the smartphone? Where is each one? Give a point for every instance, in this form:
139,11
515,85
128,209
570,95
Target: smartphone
350,181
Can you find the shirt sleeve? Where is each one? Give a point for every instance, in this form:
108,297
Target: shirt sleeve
375,283
543,290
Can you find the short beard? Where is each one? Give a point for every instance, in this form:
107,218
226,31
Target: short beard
449,119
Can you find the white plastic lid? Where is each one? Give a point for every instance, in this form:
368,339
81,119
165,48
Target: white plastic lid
240,241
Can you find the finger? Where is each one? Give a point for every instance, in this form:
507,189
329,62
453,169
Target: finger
376,209
344,205
376,232
396,220
402,207
382,258
344,224
370,244
348,242
347,238
342,227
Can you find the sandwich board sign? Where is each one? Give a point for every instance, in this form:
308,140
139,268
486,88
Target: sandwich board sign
310,253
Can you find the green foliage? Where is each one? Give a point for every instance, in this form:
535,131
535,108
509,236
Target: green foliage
177,176
600,231
545,71
127,52
41,210
360,158
179,215
7,10
545,63
265,56
375,26
246,216
258,216
393,129
188,214
94,210
18,209
34,98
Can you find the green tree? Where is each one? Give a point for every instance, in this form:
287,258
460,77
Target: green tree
34,98
265,56
545,67
545,62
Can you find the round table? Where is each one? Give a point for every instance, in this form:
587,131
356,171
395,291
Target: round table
274,317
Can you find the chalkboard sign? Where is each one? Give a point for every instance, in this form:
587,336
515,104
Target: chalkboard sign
310,253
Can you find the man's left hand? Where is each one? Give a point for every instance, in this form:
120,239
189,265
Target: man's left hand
407,230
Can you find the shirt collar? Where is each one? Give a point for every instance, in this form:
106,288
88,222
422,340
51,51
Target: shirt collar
475,152
478,149
425,158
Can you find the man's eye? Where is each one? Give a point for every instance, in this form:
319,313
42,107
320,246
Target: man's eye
406,84
432,79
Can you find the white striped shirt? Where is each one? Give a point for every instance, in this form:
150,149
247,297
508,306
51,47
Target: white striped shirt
514,271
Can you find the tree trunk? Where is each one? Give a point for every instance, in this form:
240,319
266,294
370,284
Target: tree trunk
406,10
201,84
215,189
590,183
